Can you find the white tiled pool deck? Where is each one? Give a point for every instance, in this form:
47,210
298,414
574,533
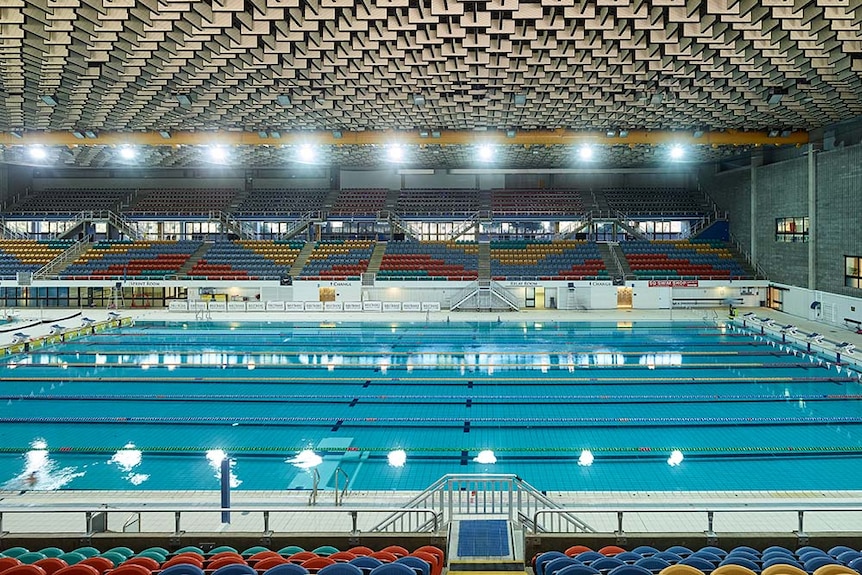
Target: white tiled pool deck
682,512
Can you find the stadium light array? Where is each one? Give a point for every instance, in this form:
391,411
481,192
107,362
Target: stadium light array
586,153
128,153
677,152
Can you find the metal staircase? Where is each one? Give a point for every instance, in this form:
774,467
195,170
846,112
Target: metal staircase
58,264
125,226
464,496
396,223
303,223
8,234
570,231
471,223
230,224
484,295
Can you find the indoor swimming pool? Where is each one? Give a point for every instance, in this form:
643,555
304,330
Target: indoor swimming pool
688,406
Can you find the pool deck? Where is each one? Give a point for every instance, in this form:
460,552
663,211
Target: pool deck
773,511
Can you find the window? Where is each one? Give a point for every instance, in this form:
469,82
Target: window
791,229
852,272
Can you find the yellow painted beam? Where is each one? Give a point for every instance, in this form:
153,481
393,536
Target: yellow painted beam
447,137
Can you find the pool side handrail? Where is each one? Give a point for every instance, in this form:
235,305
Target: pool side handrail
457,495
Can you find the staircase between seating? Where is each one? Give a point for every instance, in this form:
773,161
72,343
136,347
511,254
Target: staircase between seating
485,261
301,259
613,260
492,545
621,261
370,273
62,261
196,256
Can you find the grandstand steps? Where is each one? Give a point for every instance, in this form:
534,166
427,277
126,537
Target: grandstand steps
600,201
391,202
619,264
240,197
486,201
485,261
491,545
301,259
194,258
376,258
331,198
62,261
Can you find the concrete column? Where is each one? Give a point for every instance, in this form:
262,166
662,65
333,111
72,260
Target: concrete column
756,162
812,218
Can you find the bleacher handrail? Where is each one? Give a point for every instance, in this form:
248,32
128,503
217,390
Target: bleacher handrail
666,509
418,519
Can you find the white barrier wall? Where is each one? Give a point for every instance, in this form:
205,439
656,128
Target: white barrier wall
310,290
830,309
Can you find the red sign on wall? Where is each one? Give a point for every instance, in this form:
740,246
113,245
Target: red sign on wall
673,283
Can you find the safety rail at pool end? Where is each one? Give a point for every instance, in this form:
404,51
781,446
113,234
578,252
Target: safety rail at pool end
547,521
249,518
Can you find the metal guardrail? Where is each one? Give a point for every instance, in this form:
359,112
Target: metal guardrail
135,519
482,494
550,520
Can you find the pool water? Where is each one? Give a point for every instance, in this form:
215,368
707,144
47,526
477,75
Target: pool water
155,406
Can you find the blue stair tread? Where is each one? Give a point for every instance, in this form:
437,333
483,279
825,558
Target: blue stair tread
483,538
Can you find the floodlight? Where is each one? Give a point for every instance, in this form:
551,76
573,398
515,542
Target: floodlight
283,100
90,134
395,153
183,100
435,133
698,133
48,99
520,99
785,133
486,153
337,134
772,133
17,134
586,153
128,153
218,154
78,134
677,152
624,133
511,133
38,153
418,100
306,153
275,135
611,133
262,134
165,134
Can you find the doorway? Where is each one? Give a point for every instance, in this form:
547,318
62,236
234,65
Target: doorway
624,297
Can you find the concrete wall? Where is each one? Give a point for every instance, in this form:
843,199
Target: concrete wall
781,191
731,191
839,216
